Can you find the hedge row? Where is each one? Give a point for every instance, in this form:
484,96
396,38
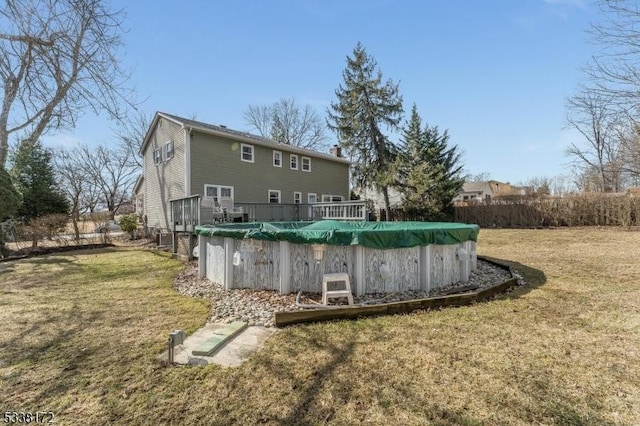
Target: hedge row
577,210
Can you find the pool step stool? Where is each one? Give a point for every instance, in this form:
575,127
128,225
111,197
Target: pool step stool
219,339
335,294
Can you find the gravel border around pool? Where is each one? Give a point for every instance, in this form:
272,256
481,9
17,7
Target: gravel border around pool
257,307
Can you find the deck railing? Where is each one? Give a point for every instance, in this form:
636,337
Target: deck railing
188,212
185,213
265,212
346,210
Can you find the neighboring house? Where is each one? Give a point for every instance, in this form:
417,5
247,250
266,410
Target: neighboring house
126,207
138,196
185,157
375,198
478,192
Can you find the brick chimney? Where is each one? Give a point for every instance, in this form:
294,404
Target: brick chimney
336,151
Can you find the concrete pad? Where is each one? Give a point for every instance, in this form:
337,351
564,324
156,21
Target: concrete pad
232,354
214,343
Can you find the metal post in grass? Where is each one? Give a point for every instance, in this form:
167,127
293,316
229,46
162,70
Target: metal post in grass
170,352
176,337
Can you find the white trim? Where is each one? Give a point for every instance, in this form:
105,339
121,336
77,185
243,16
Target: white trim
187,162
299,198
315,198
291,157
279,196
218,190
166,150
253,153
274,158
137,186
157,160
302,164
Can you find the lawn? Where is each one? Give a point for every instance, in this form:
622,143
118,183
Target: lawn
80,334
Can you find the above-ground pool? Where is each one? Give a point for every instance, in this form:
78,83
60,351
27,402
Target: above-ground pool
379,257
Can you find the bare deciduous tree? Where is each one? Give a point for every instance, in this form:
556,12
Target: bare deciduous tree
614,69
111,172
285,122
131,133
614,84
480,177
630,153
78,186
596,118
537,186
58,59
562,185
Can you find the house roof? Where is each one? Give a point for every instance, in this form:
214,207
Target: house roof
236,135
138,184
473,186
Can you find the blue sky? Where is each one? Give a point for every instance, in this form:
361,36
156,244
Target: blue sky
495,73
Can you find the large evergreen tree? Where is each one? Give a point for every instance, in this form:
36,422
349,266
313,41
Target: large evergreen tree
9,196
364,106
428,170
9,203
34,177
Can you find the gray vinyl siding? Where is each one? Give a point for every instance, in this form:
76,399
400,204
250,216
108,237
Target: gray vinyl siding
165,181
216,160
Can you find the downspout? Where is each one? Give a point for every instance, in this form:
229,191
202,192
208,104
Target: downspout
187,185
187,161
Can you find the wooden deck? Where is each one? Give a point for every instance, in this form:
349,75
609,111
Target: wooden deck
186,213
189,212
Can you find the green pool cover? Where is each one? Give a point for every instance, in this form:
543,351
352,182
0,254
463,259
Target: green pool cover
379,235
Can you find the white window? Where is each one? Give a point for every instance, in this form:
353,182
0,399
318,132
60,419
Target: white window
157,156
293,162
216,191
327,198
312,197
277,159
297,197
168,151
274,196
306,164
246,153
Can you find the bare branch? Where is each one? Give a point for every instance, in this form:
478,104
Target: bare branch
131,132
58,60
595,117
285,122
614,68
26,39
111,172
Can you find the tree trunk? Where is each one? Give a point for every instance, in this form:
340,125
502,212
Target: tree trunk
74,219
387,206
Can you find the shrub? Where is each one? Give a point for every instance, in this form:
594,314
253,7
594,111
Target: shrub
48,226
129,223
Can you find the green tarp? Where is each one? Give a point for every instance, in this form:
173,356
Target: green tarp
379,235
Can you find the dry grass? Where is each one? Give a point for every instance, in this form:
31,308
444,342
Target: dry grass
80,334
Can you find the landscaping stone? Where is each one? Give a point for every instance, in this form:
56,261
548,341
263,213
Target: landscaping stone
259,306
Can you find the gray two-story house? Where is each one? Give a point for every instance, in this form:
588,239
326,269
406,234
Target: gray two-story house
184,157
